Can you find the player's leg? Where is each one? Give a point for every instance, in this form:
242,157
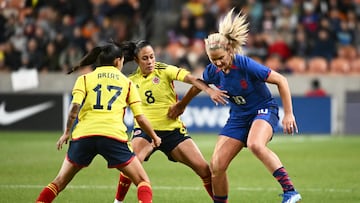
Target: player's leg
142,148
226,149
135,171
188,153
260,134
65,175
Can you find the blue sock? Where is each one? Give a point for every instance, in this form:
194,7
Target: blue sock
282,177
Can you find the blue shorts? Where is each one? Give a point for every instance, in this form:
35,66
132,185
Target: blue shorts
238,128
82,151
169,139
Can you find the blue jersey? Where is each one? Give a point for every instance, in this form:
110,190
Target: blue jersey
245,84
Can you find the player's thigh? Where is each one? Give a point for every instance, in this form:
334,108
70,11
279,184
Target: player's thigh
142,148
262,127
226,149
260,133
187,152
135,171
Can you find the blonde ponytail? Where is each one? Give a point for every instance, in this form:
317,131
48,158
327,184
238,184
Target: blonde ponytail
233,31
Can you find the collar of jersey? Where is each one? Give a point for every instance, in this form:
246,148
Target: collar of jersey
107,67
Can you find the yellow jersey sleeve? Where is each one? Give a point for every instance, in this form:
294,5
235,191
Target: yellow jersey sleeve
181,74
134,100
78,92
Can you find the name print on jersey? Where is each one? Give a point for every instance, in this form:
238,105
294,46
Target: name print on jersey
109,75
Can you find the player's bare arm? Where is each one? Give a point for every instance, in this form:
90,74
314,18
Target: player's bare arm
217,96
179,107
146,126
74,110
288,121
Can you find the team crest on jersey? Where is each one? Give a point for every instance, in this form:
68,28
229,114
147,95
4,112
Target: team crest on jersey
156,80
243,84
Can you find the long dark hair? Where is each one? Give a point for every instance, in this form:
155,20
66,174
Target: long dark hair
104,55
131,49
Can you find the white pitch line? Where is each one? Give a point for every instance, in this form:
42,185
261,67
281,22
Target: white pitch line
255,189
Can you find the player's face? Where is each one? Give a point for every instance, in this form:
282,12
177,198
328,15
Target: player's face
146,60
221,58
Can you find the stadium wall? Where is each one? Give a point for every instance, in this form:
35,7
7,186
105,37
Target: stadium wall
337,88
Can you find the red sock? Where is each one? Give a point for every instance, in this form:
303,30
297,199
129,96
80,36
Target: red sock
144,192
123,187
283,178
208,186
48,194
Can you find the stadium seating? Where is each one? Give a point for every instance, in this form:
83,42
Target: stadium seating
318,65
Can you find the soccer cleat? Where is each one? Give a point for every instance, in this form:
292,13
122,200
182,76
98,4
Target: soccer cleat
117,201
291,197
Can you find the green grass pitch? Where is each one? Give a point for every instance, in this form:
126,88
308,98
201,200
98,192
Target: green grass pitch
323,169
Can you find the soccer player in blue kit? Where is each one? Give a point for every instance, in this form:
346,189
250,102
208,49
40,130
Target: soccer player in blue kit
253,110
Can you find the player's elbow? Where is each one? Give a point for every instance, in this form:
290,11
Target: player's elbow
141,120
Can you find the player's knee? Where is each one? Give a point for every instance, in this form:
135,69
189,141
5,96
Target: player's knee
255,148
203,170
217,167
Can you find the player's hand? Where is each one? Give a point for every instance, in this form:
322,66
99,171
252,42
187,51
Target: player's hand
156,142
218,96
289,124
175,111
63,139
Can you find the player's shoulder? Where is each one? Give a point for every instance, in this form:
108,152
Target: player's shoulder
164,70
135,74
124,77
85,76
163,66
211,69
243,61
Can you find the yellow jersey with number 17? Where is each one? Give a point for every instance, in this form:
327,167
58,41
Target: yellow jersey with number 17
158,94
104,94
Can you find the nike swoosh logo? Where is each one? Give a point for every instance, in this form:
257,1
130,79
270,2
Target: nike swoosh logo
8,118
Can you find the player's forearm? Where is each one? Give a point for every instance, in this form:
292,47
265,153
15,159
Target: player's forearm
201,85
190,94
285,95
74,110
145,125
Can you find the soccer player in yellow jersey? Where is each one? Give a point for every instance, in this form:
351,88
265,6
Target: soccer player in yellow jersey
155,82
99,102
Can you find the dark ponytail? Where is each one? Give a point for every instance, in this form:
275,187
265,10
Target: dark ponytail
128,50
105,55
131,49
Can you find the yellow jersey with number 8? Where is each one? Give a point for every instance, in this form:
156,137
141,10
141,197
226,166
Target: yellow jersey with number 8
158,94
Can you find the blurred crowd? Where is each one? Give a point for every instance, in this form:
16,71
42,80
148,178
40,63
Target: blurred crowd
290,36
